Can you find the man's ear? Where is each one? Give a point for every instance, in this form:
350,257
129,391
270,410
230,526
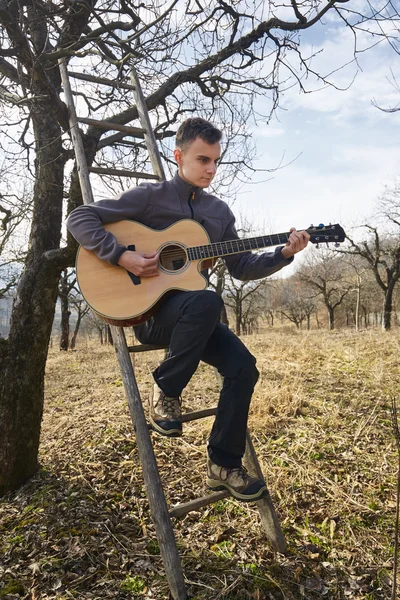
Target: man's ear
178,156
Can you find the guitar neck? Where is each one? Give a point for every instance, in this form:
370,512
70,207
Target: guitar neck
219,249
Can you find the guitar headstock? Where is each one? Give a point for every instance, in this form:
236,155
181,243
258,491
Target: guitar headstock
326,233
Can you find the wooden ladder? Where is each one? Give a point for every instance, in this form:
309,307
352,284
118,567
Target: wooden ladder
160,512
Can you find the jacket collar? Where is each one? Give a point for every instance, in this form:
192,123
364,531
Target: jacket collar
184,188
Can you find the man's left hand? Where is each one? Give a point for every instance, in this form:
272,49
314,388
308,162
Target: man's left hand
298,240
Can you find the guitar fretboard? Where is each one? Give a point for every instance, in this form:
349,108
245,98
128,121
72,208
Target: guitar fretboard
235,246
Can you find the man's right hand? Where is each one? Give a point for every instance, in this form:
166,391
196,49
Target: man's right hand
141,264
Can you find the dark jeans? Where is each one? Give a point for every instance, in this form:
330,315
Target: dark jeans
188,323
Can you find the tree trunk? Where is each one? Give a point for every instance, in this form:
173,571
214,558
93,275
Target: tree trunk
331,315
65,312
388,306
308,322
238,319
358,302
75,334
24,354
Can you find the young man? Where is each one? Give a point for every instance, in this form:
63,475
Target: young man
188,323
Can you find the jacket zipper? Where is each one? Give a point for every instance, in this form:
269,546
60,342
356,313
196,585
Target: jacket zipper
191,197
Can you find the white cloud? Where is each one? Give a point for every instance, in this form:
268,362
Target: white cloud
270,131
371,72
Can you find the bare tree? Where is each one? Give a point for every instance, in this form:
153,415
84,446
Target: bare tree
297,301
358,273
324,274
389,205
244,299
396,86
218,57
380,248
382,254
66,285
14,210
272,301
103,330
79,305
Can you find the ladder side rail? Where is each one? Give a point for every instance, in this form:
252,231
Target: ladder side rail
151,475
269,518
81,164
144,118
155,492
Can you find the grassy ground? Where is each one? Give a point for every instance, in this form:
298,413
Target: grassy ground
321,423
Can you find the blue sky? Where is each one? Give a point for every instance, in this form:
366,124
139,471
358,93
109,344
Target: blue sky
347,149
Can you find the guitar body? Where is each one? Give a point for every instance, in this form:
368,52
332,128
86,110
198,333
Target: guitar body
122,300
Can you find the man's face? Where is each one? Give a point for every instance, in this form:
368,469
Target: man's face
197,163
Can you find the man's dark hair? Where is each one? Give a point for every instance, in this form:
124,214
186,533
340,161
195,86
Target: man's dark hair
197,127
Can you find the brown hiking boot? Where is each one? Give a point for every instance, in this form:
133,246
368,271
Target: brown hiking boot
165,413
236,480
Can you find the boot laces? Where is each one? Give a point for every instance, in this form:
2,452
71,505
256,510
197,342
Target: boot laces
170,404
239,471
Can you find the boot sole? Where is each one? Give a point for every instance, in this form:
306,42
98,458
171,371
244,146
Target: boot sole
166,432
243,497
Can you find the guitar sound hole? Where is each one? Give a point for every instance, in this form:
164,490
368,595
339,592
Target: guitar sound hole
172,258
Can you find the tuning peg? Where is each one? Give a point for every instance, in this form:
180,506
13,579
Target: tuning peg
321,226
317,246
337,244
311,226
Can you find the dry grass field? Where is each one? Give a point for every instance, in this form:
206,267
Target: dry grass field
321,421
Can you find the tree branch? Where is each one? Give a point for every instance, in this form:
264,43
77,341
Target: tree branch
192,74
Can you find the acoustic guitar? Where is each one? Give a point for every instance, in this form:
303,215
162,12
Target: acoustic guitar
124,299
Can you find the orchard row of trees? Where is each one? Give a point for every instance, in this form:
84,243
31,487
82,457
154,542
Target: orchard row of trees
327,291
358,280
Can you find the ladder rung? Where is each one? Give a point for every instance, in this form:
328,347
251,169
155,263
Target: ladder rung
198,414
110,82
182,509
145,348
109,125
122,173
126,143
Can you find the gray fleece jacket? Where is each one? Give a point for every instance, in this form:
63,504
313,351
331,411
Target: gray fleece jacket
159,205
